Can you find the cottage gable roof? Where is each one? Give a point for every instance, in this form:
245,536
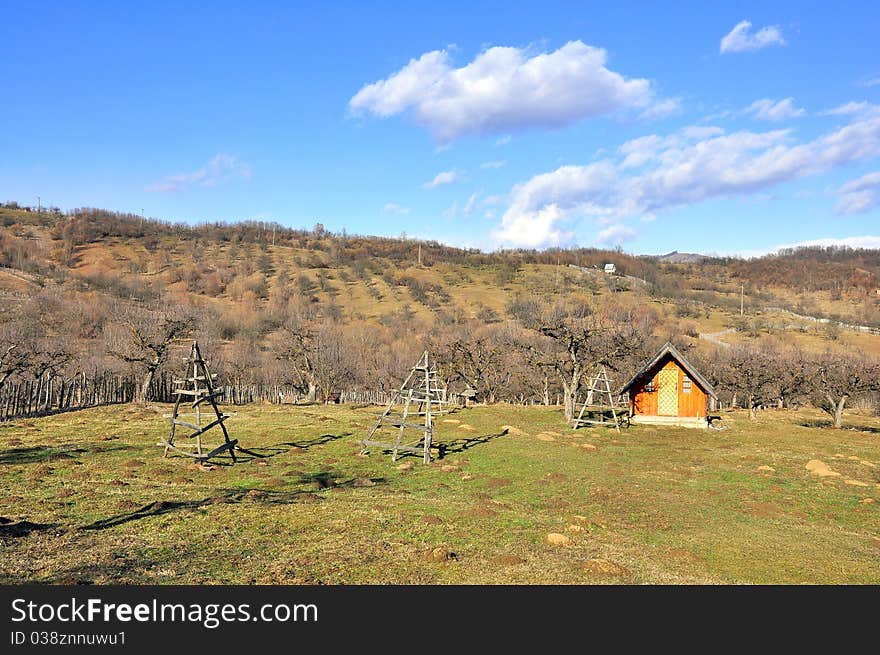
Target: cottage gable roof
669,349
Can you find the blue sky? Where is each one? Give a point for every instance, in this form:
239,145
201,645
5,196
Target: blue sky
732,129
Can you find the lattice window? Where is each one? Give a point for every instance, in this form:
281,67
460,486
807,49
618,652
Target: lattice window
686,384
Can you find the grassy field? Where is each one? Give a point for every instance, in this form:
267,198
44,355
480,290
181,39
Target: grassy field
87,498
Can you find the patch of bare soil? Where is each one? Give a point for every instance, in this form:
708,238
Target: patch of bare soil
431,519
683,554
599,566
821,469
763,510
507,560
439,554
558,539
481,512
494,483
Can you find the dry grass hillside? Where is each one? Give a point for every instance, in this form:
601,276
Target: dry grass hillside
245,272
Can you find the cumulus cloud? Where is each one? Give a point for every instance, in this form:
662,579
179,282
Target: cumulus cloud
220,169
851,108
505,89
742,39
860,195
614,235
662,109
657,173
770,110
444,177
394,208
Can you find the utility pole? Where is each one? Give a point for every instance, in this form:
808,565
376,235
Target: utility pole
39,204
273,235
742,294
420,253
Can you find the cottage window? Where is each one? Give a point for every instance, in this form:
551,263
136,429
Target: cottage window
649,387
686,384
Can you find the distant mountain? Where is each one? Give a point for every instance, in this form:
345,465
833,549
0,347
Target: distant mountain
676,257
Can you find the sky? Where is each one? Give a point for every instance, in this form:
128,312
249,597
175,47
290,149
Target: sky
728,128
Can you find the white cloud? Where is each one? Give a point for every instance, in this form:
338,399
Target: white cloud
220,169
504,89
493,164
851,108
503,141
614,235
662,109
444,177
394,208
657,173
770,110
874,81
859,195
742,39
868,242
493,200
470,204
701,131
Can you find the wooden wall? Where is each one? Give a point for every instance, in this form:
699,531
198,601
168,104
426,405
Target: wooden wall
644,403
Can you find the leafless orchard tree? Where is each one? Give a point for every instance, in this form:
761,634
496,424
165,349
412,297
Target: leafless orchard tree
750,373
582,339
143,337
838,378
478,358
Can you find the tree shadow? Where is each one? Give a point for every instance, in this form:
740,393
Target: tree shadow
12,530
317,481
828,423
463,444
265,452
316,441
40,454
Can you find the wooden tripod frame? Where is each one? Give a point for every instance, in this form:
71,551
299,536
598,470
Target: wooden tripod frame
420,396
596,410
196,389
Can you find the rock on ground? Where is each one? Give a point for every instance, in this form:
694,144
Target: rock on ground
820,468
557,539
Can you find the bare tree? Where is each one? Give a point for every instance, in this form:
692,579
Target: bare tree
582,340
480,361
143,337
837,378
749,373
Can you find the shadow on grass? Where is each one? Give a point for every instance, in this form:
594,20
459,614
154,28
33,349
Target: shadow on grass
461,445
233,496
829,424
316,441
39,454
11,530
245,455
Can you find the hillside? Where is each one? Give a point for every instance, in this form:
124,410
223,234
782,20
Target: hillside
247,279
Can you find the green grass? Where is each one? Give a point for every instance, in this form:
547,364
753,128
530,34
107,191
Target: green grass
665,505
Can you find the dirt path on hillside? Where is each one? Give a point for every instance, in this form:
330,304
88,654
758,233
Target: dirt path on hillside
715,337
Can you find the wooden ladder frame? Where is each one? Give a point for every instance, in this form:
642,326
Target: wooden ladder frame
200,386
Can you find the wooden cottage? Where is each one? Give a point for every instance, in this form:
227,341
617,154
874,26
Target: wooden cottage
669,391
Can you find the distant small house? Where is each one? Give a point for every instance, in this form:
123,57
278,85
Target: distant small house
669,391
610,268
